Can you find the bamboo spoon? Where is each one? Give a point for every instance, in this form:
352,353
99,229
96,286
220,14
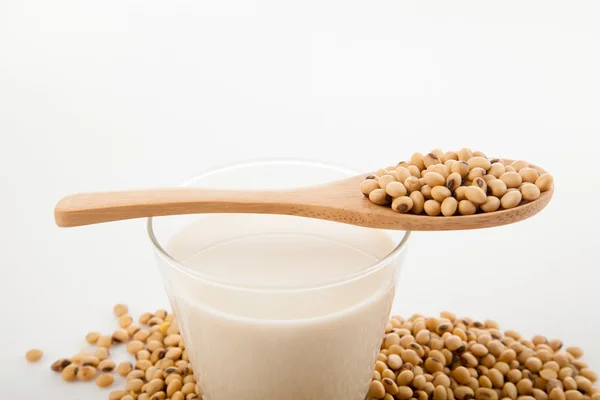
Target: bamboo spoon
339,201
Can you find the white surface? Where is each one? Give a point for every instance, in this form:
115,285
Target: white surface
120,94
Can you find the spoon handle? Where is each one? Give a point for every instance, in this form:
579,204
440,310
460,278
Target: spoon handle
92,208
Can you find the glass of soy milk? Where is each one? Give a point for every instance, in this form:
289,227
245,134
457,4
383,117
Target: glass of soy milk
274,306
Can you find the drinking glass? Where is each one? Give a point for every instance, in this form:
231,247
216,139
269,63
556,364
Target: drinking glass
273,306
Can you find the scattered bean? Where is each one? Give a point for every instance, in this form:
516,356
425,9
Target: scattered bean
34,355
120,310
92,337
105,380
86,373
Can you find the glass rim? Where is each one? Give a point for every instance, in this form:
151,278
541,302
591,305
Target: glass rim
162,252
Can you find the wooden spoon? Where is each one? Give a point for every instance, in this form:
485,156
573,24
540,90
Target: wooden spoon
339,201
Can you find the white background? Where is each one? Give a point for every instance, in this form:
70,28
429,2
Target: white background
120,94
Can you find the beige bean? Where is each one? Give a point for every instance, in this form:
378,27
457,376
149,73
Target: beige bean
120,309
475,195
418,202
461,168
529,191
557,394
440,193
544,182
464,393
125,320
173,388
589,374
529,175
434,179
461,374
105,380
438,152
519,164
389,385
488,178
450,155
497,187
376,390
573,395
366,187
569,383
450,163
402,173
432,207
414,171
404,393
476,172
511,179
380,172
480,162
460,193
510,390
426,191
465,154
379,197
431,159
412,184
524,387
510,200
134,346
86,373
117,395
417,160
534,364
497,169
491,204
439,393
449,205
480,183
402,204
584,384
485,394
453,181
104,341
120,336
385,180
465,207
34,355
395,189
440,169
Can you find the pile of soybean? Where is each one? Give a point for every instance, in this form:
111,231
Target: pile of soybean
451,358
455,183
160,367
443,358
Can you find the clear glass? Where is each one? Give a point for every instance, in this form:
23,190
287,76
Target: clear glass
274,306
